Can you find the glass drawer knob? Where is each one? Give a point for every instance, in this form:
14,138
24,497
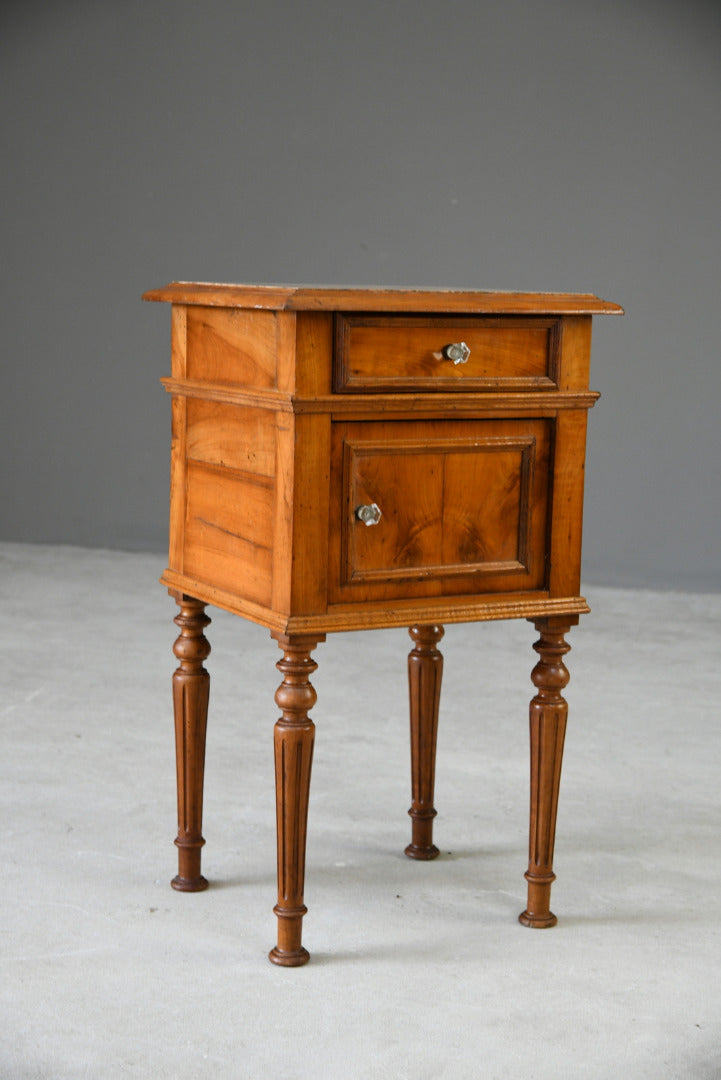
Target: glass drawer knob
369,515
458,352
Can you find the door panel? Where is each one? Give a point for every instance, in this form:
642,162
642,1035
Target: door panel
463,507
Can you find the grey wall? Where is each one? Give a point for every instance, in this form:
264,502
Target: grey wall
559,145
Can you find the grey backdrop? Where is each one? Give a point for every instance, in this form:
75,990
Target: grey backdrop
559,145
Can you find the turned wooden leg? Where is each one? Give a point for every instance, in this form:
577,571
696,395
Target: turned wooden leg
425,670
294,735
548,727
191,687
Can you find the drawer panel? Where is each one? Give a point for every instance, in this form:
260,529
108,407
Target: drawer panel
463,507
395,354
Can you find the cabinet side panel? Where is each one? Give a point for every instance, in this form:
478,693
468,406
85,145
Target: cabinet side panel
179,341
232,346
283,510
177,441
575,352
235,436
229,530
566,527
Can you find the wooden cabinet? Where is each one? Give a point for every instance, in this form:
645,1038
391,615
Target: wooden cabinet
354,458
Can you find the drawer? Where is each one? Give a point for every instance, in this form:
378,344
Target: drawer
394,354
441,508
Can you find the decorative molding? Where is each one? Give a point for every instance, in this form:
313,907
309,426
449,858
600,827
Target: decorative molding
391,406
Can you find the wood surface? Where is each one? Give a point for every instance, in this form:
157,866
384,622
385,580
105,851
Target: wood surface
233,346
575,351
564,567
229,530
236,437
178,449
310,298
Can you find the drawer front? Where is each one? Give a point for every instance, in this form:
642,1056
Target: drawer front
396,354
453,507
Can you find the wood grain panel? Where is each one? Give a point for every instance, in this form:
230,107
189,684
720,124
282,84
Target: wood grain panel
314,354
238,437
464,508
232,346
311,494
177,483
407,541
229,530
486,501
575,352
397,354
177,441
567,503
179,337
301,514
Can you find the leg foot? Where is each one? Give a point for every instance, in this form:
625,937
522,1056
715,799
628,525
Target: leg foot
191,687
548,714
289,952
293,738
425,670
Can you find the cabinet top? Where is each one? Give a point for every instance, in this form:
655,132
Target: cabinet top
317,298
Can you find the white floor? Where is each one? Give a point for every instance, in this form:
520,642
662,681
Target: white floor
418,970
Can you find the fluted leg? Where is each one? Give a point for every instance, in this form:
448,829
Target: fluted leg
191,687
548,714
425,670
293,737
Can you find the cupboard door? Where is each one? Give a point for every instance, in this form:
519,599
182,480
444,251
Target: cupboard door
438,508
